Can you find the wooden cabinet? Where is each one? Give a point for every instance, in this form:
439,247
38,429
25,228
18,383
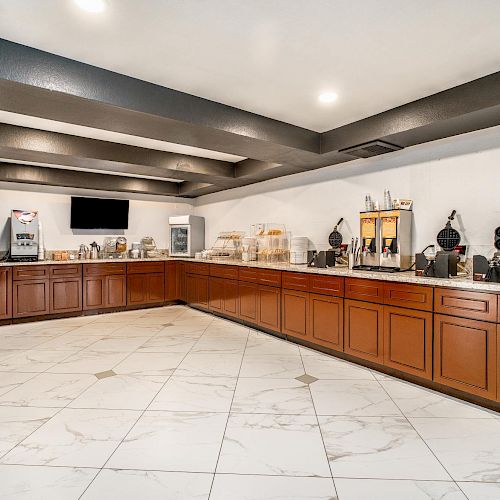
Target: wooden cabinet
181,281
295,281
295,313
197,290
326,321
216,294
466,304
171,281
408,341
269,309
465,355
145,283
498,363
30,298
5,293
269,277
231,301
104,286
248,302
363,330
65,281
30,291
65,295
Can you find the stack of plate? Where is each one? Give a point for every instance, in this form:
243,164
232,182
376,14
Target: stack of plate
298,250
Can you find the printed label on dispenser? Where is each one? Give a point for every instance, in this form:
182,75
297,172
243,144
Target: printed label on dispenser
367,228
389,227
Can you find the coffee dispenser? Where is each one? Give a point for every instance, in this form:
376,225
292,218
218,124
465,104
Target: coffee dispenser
369,229
395,239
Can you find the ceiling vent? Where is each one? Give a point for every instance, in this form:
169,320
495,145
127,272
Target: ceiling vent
373,148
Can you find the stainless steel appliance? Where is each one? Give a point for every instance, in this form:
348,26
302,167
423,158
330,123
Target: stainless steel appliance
24,235
395,239
385,240
369,229
187,235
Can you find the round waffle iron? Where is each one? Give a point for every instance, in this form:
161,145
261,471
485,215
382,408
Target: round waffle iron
448,238
335,238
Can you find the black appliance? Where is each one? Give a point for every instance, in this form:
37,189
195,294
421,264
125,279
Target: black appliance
99,213
328,258
484,269
445,262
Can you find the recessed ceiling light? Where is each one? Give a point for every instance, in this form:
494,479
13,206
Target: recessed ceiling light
94,6
328,97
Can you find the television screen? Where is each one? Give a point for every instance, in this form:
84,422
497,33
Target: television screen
98,213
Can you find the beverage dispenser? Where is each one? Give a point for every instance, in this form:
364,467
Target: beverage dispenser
395,239
370,243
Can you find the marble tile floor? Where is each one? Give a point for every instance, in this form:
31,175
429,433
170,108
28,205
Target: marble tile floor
172,403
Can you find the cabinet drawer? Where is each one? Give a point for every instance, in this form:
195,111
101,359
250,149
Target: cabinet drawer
269,277
198,268
367,290
248,274
30,272
326,285
465,304
104,269
145,267
411,296
63,270
223,271
295,281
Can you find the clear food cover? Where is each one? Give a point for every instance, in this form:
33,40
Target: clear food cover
228,246
273,242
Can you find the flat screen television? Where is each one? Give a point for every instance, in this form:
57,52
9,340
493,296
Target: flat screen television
98,213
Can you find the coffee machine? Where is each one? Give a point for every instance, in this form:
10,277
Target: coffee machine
24,237
369,229
395,239
385,240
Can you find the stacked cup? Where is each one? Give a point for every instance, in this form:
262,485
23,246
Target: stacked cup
298,250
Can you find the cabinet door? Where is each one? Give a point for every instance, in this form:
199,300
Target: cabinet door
31,298
94,292
116,291
136,289
202,291
181,282
363,330
231,298
155,287
65,295
249,302
216,292
465,355
171,281
295,307
269,307
326,321
498,363
191,290
408,341
5,292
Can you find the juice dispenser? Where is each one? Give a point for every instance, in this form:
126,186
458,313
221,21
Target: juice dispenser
370,245
395,239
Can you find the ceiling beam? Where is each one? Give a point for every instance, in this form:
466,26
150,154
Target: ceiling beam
31,145
27,174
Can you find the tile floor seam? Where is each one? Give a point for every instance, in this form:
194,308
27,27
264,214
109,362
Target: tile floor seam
228,416
130,430
418,434
320,430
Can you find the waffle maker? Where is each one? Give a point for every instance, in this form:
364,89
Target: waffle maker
328,259
444,263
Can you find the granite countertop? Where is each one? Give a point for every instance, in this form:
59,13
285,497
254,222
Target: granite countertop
463,282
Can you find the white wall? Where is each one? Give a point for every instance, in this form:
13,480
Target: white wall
461,173
148,216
